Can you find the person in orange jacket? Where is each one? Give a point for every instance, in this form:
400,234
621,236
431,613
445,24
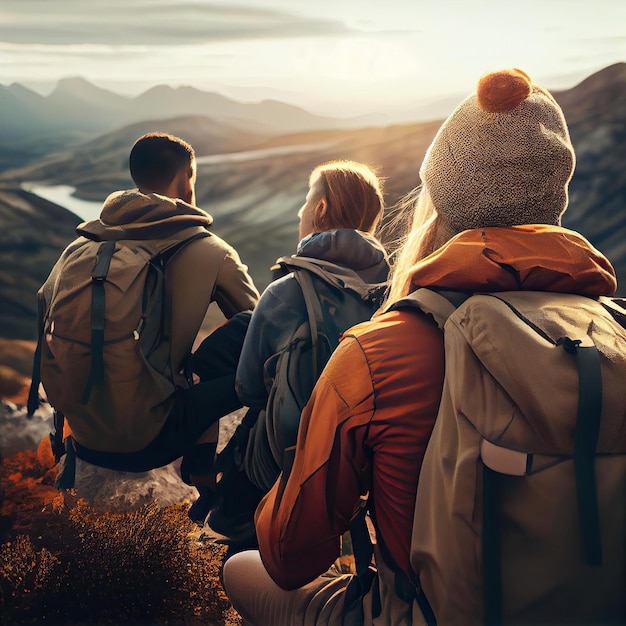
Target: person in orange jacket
488,218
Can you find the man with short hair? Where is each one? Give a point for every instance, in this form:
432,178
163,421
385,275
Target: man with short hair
203,269
164,164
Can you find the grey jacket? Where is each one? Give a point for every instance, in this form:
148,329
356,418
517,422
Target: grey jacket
350,258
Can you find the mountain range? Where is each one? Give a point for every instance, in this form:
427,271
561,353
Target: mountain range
77,110
253,181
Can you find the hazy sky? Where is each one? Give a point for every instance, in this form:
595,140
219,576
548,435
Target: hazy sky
330,56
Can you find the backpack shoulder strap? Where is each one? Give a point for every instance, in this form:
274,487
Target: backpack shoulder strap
294,263
169,252
315,317
616,307
98,276
33,393
438,303
313,307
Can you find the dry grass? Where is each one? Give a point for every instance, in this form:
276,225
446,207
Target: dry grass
61,562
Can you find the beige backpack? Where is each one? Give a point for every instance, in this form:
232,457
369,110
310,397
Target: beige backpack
520,510
520,504
104,354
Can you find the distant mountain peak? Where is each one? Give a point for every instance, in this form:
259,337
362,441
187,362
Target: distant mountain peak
172,89
612,74
75,85
19,88
182,91
80,89
69,81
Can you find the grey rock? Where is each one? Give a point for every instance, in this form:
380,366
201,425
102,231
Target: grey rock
104,489
20,432
122,492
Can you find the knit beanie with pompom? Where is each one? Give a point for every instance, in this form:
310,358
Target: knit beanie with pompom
503,157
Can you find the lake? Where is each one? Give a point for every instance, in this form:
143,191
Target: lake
90,210
62,195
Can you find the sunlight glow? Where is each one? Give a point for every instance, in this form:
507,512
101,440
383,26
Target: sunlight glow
360,56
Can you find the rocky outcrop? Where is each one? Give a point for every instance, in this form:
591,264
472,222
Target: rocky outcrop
122,492
20,432
105,490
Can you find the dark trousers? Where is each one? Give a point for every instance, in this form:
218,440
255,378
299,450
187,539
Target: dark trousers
195,409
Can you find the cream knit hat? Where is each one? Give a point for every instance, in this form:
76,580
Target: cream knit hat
503,158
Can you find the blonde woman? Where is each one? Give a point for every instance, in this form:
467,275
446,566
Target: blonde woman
488,219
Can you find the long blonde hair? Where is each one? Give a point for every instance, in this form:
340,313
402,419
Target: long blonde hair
427,232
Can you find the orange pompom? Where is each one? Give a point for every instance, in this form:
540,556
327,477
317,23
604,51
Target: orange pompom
503,90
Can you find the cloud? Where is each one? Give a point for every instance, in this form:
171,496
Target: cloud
154,22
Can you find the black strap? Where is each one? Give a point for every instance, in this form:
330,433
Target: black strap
361,582
168,254
56,436
456,297
492,575
585,441
32,403
98,277
424,605
361,543
35,379
66,478
103,262
408,589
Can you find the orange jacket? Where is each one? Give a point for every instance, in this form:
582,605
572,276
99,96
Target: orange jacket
367,424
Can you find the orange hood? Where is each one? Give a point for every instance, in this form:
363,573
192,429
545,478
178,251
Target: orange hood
534,257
